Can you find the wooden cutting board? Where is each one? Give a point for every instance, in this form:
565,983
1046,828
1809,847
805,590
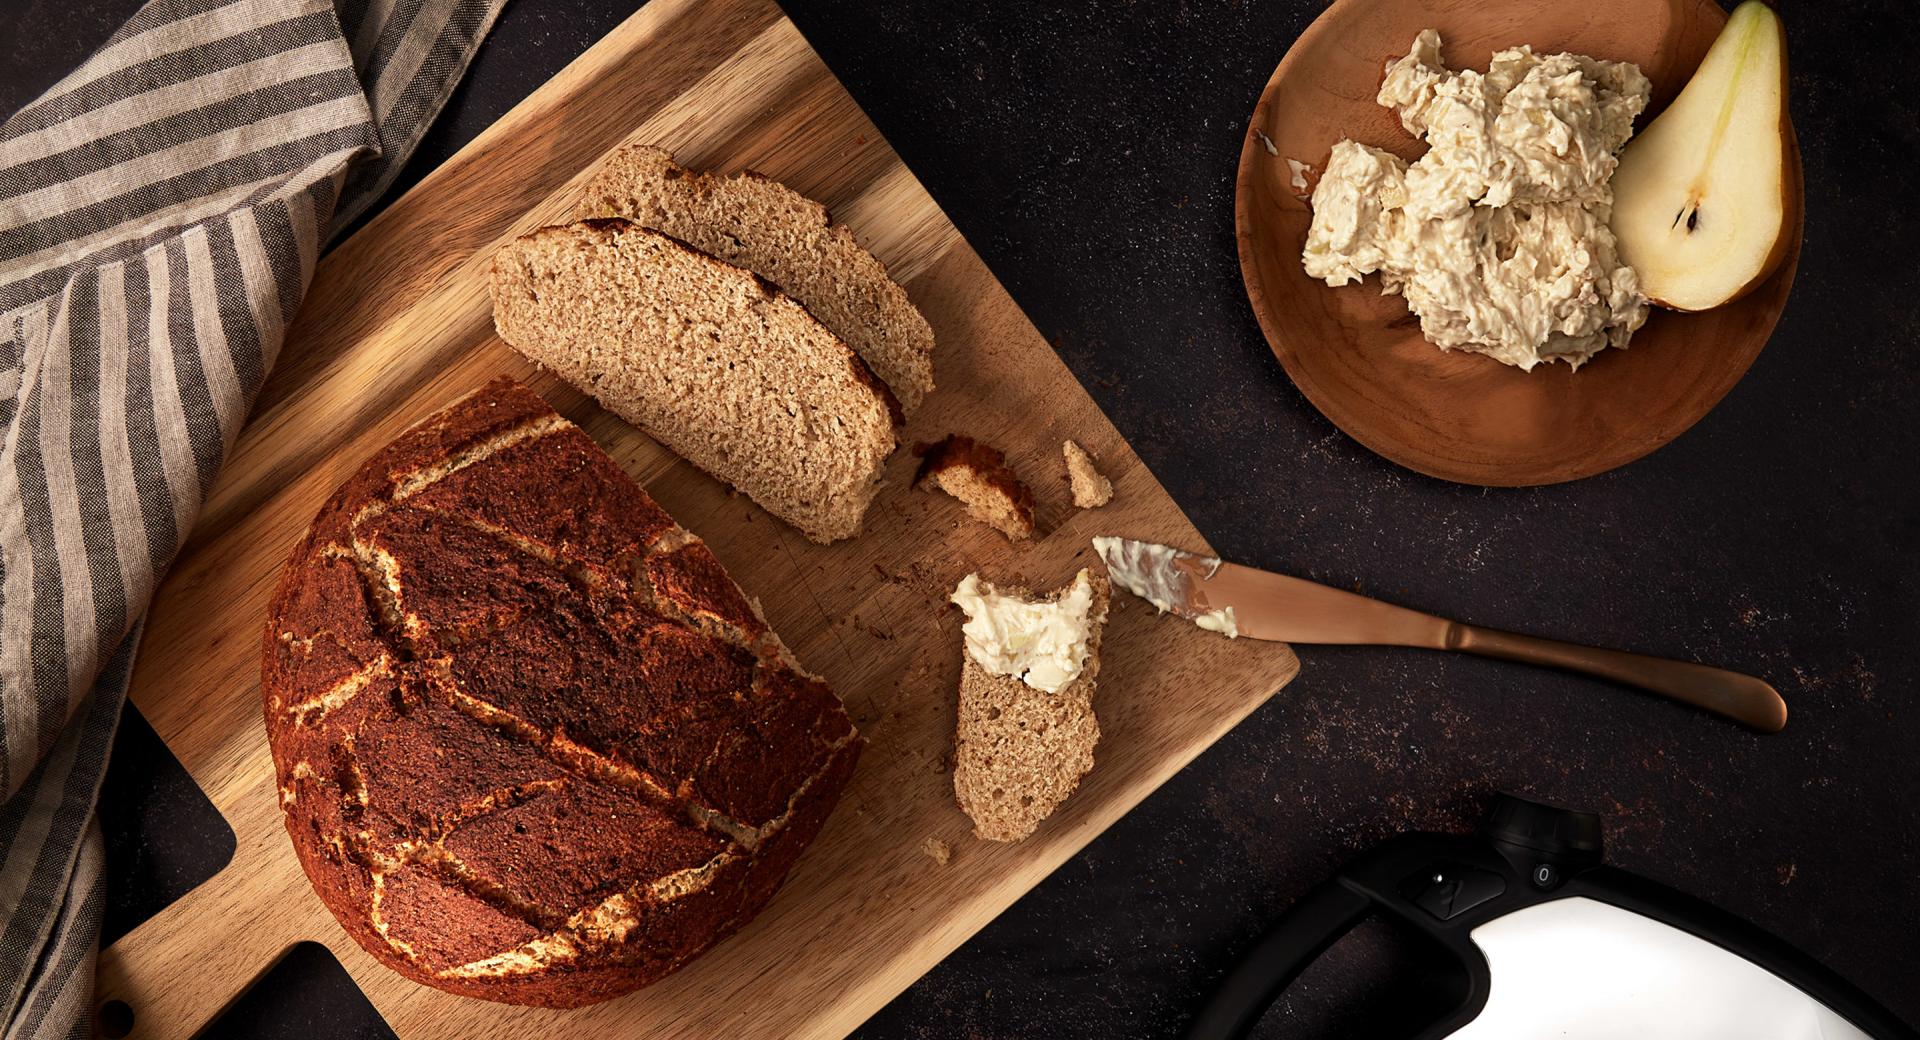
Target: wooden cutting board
398,324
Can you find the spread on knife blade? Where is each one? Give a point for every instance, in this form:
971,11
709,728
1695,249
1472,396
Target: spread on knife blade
1147,570
1219,620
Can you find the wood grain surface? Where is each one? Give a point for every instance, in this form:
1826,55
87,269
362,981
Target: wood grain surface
397,325
1359,356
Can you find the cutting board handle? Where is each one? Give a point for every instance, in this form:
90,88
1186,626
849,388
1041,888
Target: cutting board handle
214,936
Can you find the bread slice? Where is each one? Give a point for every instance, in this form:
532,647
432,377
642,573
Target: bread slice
978,475
1020,751
1091,488
707,358
786,238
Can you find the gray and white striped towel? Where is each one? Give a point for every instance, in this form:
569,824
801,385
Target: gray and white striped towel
161,211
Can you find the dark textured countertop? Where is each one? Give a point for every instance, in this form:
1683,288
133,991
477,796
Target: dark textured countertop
1088,153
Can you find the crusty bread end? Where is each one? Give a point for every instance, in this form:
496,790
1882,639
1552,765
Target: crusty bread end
979,477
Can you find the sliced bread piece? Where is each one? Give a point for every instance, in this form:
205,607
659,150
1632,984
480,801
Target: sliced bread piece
787,238
1091,488
1020,750
707,358
979,477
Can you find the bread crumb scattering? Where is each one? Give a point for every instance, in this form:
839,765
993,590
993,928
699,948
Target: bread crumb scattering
1091,488
939,851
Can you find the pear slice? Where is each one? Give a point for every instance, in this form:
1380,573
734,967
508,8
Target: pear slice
1701,198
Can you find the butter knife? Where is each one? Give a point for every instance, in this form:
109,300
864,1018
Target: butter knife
1243,601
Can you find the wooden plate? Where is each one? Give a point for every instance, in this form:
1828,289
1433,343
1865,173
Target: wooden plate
1359,356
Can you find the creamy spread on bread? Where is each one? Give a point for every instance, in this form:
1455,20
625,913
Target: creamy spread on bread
1497,237
1041,642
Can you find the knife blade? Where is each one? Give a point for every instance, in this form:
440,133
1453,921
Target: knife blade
1244,601
1259,604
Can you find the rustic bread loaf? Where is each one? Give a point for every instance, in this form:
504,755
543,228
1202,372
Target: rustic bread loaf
979,477
709,359
1020,751
786,238
533,744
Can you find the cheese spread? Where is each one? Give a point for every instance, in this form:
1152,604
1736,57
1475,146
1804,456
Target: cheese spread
1147,570
1219,620
1498,235
1043,643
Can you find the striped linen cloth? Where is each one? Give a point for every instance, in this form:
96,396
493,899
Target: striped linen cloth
161,211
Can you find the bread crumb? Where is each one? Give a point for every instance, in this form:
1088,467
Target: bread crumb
978,476
1091,489
939,850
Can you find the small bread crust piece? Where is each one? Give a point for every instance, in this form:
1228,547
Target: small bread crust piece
533,745
1091,488
979,477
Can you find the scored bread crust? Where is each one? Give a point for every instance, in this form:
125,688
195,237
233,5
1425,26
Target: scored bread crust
1020,751
762,225
532,743
709,358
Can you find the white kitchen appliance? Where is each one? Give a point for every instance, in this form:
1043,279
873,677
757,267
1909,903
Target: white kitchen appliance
1545,941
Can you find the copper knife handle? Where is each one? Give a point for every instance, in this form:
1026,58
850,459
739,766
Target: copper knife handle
1742,698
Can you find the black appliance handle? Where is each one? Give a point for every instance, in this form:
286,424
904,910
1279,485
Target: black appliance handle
1301,935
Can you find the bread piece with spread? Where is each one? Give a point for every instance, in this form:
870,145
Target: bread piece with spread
1026,729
